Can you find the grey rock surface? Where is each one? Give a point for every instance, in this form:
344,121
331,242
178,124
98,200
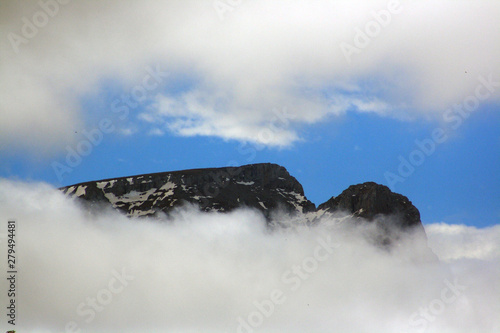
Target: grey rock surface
370,200
266,187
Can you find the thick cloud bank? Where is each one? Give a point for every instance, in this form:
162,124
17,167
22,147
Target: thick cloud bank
228,273
234,66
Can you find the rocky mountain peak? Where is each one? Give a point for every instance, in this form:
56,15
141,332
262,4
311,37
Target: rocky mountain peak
369,200
265,187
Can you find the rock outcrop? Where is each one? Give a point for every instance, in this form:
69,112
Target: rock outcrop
266,187
370,200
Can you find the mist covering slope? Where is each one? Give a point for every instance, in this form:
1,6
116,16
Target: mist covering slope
212,271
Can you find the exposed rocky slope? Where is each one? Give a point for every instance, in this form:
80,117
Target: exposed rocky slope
265,187
370,200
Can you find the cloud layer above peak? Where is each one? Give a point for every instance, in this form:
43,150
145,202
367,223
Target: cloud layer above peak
233,64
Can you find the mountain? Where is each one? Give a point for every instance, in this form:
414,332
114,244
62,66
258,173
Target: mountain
370,200
266,187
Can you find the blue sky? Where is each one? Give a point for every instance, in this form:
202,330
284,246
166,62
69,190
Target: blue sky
456,184
247,86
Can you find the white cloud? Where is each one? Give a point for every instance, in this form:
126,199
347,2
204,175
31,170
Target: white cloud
261,56
454,242
201,272
127,131
156,131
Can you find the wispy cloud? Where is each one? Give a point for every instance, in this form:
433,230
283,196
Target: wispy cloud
261,56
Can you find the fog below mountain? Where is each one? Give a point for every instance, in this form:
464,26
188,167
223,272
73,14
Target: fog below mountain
214,272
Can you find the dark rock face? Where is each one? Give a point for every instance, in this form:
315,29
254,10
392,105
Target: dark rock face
265,187
370,200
